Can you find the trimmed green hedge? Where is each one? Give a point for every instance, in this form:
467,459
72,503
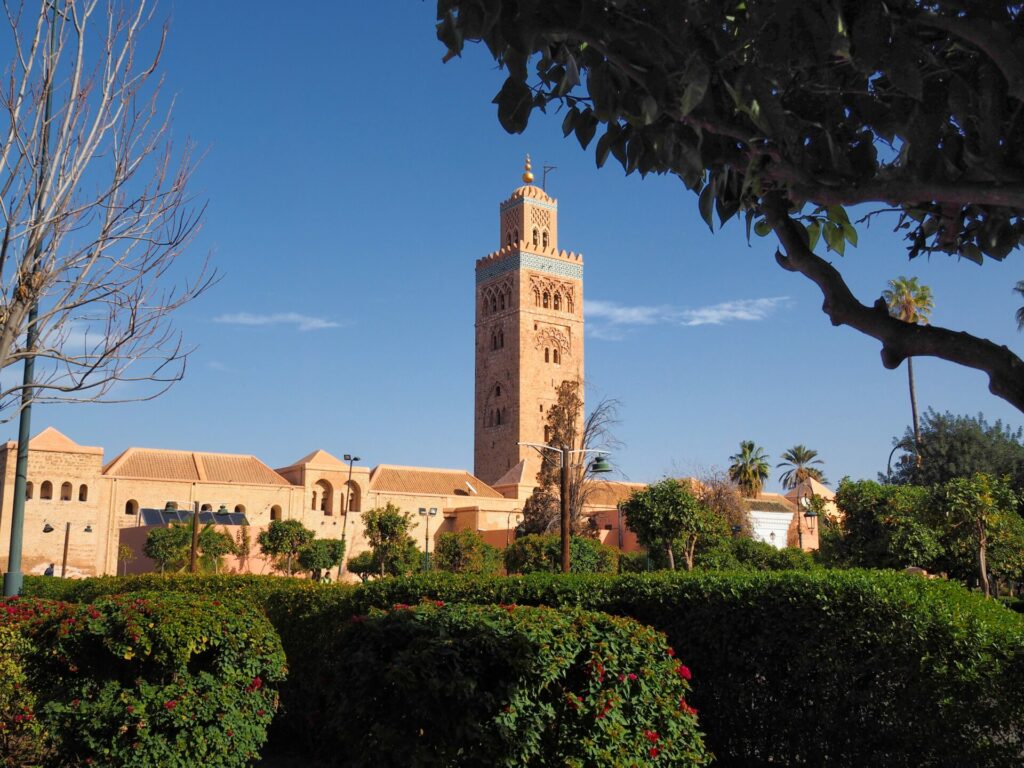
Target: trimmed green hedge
466,685
816,667
151,679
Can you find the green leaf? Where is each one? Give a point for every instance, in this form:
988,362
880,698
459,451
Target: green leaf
648,109
813,234
706,205
514,101
569,121
604,144
586,127
850,234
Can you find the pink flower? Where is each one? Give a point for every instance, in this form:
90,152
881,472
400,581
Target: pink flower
169,705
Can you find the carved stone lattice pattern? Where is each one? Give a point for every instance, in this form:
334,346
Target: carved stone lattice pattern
553,338
538,286
496,297
540,218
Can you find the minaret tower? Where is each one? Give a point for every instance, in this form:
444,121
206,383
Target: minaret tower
529,330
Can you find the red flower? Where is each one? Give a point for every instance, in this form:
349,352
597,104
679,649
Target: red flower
686,708
632,675
653,752
671,651
170,704
684,672
439,603
261,713
651,736
130,709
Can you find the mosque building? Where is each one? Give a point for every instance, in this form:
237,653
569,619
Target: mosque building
528,340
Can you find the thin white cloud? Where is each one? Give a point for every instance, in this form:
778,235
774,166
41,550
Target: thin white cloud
301,322
607,319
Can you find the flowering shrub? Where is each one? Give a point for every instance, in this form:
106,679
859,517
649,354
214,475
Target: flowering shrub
23,739
504,686
152,679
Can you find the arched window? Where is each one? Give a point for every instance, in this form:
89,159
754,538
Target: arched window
536,297
547,433
547,355
275,512
556,357
28,490
501,300
501,339
326,497
46,490
508,238
547,299
83,492
65,491
497,390
494,304
239,509
558,301
515,235
536,237
354,496
206,508
494,342
568,304
131,507
545,238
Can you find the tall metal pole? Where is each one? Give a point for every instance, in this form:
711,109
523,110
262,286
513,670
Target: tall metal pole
14,578
344,517
565,509
194,549
67,538
426,544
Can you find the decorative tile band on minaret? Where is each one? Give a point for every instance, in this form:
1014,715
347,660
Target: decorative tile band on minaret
529,329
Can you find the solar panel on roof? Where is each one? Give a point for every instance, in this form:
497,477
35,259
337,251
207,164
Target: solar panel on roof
166,516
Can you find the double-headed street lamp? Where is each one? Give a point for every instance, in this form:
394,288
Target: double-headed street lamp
599,464
427,514
344,518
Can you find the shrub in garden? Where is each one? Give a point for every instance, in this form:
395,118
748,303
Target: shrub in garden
23,738
542,553
465,551
465,685
152,679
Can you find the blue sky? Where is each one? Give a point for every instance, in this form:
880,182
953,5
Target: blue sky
353,180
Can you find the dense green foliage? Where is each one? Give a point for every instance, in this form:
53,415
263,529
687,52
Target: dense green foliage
749,468
465,685
945,528
466,551
667,517
960,446
821,667
170,547
283,540
538,553
152,679
744,554
320,555
24,740
788,112
394,553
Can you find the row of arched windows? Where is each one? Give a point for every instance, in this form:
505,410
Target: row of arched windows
66,491
496,300
540,238
131,507
552,356
323,497
546,300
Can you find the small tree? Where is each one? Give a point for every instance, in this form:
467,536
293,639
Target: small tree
125,555
394,551
243,544
214,545
664,512
284,539
320,555
168,547
465,551
722,496
362,565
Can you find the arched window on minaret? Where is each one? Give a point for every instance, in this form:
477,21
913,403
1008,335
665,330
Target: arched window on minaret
515,236
547,355
568,304
497,417
547,299
536,237
556,357
536,297
497,390
558,301
501,300
545,238
508,239
494,342
501,340
494,304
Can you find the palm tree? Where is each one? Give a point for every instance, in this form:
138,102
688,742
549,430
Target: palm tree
749,468
912,303
1019,288
799,459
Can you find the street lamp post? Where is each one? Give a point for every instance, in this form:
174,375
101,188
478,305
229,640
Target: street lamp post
344,519
508,526
809,515
427,514
47,528
564,452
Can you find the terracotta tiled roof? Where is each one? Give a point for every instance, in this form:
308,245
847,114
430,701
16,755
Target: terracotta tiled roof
51,439
158,464
814,487
321,459
610,493
388,478
770,502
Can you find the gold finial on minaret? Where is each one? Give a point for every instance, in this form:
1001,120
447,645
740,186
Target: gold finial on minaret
528,174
